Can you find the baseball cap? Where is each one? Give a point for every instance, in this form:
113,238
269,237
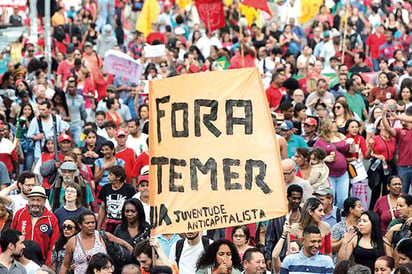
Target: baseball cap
326,34
64,137
111,88
143,178
88,44
286,125
409,64
37,191
323,191
121,133
311,121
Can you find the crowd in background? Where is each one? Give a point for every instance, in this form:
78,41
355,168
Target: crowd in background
74,140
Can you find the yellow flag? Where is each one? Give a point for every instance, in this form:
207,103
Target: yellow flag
148,15
183,3
250,13
309,9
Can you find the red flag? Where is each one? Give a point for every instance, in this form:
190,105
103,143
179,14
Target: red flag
258,4
211,13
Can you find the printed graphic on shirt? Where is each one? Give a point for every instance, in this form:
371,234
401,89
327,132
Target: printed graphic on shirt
114,204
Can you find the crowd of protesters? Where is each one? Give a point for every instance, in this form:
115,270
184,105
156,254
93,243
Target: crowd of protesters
74,159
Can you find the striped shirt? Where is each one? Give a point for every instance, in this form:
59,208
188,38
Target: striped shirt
298,263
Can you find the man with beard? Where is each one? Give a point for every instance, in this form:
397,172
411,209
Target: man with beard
308,259
49,169
68,173
12,246
136,139
42,128
254,261
185,252
37,223
25,182
113,196
143,254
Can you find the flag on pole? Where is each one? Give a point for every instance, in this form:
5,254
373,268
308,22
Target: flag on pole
258,4
148,15
211,13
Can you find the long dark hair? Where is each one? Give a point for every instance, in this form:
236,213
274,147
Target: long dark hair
141,216
59,92
61,241
33,252
208,257
376,233
21,111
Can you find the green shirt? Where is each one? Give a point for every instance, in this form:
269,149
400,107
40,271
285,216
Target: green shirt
356,103
89,195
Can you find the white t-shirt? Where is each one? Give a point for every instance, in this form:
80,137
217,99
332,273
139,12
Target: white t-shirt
18,202
137,144
188,258
31,267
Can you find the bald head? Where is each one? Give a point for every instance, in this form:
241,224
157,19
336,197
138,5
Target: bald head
288,167
288,164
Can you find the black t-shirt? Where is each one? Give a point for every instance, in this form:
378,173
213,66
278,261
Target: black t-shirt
114,199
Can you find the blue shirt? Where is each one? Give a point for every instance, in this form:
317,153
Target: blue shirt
298,263
294,143
332,218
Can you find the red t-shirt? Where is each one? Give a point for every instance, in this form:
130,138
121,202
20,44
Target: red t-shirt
64,70
274,95
128,156
381,147
374,42
156,36
141,161
382,94
404,138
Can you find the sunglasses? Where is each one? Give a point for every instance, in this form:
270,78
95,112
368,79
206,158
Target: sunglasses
30,51
289,173
164,66
307,125
68,227
338,107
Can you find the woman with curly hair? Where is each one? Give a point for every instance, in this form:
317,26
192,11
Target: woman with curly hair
219,257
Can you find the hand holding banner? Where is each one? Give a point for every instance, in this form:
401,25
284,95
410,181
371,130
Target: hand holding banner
214,157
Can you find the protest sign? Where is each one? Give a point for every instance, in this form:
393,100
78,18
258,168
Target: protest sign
118,63
214,158
154,51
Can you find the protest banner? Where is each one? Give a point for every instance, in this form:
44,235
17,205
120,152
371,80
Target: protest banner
119,63
214,158
154,51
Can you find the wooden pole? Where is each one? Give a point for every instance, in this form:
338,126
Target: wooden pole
344,31
208,18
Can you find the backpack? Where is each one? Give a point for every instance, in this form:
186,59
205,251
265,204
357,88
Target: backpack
119,253
179,247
